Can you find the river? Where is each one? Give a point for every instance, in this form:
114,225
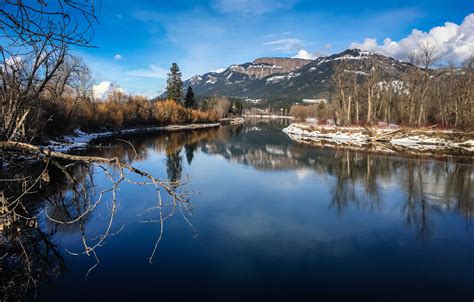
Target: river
265,218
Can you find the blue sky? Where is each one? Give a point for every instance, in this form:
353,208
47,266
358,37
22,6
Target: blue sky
136,41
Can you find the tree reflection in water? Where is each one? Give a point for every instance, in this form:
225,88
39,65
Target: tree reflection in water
190,149
359,179
63,201
29,256
174,166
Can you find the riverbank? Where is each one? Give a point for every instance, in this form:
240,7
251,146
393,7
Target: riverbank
82,139
269,116
427,141
232,121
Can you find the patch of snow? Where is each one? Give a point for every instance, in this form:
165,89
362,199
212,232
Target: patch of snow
268,116
211,80
276,79
80,139
336,137
356,136
237,68
196,79
417,140
397,85
355,72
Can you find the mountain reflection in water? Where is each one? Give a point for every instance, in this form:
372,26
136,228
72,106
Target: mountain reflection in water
418,193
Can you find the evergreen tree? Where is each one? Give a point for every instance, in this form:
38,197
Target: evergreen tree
174,83
189,101
239,107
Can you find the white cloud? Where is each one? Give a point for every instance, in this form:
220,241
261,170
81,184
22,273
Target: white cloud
289,44
118,57
304,54
106,70
219,70
286,33
100,90
452,42
11,64
152,71
252,7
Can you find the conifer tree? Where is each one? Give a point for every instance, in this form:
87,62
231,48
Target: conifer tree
174,83
189,101
239,107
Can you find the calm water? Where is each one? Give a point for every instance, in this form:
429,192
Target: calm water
271,220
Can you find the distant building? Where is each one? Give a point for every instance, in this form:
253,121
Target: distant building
315,101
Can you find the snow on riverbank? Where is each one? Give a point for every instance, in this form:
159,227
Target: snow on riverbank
422,140
336,136
82,139
268,116
232,121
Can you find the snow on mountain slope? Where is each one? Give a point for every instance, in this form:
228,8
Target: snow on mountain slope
271,78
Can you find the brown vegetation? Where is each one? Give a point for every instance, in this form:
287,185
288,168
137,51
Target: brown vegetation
45,91
221,105
302,112
136,111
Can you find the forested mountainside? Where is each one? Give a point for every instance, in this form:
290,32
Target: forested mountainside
273,78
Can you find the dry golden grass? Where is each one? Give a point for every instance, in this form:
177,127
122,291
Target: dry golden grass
135,112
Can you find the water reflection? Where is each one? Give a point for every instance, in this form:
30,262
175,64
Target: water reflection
190,149
428,186
29,255
174,166
354,180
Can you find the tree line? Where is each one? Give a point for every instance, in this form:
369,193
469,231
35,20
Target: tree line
46,91
423,95
222,105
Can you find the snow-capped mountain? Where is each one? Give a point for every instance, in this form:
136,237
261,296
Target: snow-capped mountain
282,78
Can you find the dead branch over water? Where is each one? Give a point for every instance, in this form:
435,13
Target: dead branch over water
170,195
41,84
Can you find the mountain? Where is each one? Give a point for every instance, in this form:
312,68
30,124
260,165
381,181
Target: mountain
295,79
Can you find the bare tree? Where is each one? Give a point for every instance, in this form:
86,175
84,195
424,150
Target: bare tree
36,40
373,77
35,69
220,105
81,85
426,58
340,78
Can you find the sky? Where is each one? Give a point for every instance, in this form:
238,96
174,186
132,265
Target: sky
135,42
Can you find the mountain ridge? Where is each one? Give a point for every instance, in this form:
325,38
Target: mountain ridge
295,79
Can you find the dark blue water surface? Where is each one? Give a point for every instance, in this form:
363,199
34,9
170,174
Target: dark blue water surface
271,220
